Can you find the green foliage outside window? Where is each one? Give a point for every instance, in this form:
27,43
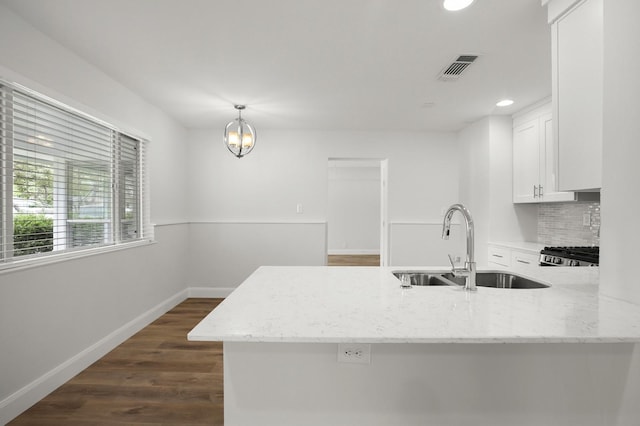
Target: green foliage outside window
32,234
33,181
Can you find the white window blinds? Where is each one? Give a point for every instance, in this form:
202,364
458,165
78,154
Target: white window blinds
69,182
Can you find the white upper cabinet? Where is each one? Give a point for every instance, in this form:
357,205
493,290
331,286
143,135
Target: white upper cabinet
535,159
526,165
577,57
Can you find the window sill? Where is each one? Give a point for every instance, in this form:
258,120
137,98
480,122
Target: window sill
19,265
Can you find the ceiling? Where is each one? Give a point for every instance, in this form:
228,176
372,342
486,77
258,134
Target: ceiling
310,64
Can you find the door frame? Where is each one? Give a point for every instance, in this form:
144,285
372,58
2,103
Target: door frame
383,165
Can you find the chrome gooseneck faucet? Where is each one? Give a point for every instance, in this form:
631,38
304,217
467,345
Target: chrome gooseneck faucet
469,270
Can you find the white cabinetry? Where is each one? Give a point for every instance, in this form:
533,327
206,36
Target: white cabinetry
499,256
523,258
535,159
524,261
577,85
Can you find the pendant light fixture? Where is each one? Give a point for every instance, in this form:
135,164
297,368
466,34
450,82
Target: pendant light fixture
239,136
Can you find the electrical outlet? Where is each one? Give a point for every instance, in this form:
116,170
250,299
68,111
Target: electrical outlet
356,353
299,208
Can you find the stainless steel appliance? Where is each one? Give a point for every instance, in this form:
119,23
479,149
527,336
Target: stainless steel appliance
570,256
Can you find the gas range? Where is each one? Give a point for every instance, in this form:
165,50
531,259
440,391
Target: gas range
570,256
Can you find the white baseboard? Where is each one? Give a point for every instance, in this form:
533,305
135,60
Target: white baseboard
210,292
21,400
353,251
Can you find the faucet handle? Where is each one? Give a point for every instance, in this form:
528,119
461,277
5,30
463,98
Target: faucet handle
453,265
458,272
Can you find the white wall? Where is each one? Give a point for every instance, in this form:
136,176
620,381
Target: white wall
353,218
475,161
226,253
421,243
290,167
620,201
486,185
55,319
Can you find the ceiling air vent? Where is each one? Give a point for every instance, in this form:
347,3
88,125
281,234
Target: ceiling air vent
453,71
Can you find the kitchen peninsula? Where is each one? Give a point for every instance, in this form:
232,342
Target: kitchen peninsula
438,353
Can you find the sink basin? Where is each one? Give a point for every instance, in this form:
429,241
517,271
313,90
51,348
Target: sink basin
498,280
495,279
420,278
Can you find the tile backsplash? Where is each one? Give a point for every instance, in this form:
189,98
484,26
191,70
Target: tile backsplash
561,224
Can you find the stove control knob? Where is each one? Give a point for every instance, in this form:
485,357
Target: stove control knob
557,260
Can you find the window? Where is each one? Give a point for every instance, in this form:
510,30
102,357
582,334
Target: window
69,182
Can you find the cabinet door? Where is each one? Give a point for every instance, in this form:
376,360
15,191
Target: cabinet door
526,162
578,38
549,164
524,261
499,256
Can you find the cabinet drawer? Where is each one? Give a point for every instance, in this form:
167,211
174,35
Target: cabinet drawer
500,256
524,260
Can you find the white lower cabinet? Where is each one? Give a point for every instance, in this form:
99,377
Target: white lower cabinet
499,256
524,261
521,258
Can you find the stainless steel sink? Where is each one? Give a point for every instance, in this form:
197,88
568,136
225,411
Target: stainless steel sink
495,279
421,278
498,279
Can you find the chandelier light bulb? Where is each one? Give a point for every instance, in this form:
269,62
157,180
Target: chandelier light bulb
247,141
233,139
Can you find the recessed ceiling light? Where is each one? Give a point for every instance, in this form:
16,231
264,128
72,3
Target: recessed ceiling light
454,5
504,103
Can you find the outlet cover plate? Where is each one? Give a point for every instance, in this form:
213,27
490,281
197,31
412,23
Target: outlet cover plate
354,353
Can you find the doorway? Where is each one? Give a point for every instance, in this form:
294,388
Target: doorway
357,212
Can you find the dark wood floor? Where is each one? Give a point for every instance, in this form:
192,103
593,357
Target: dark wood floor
354,260
156,377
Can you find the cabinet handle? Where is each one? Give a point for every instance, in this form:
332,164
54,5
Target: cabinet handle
523,261
497,255
540,191
535,191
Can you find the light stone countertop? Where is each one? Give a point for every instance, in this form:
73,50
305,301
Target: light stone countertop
519,245
366,304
